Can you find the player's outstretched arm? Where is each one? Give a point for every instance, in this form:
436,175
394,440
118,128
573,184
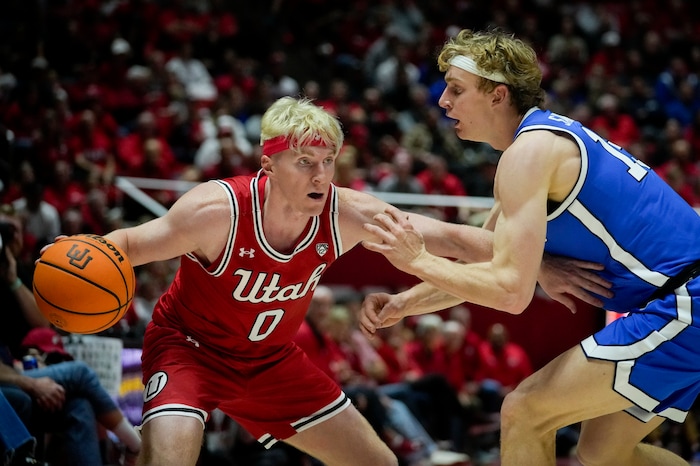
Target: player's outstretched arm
198,222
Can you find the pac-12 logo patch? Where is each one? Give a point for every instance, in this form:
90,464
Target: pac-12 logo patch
322,248
154,385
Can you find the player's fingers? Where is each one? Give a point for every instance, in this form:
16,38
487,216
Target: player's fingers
367,332
595,278
392,224
587,265
378,231
374,246
597,289
587,297
566,301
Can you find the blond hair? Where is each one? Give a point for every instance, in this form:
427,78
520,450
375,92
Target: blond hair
301,121
495,51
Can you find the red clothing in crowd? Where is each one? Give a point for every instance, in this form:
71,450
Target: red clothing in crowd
400,365
462,365
322,351
430,360
509,366
620,129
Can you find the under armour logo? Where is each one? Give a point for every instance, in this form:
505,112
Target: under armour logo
193,341
322,248
246,252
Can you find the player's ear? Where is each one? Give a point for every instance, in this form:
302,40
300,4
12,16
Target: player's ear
500,94
266,164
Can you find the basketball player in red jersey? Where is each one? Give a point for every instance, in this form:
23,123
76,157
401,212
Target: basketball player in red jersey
253,249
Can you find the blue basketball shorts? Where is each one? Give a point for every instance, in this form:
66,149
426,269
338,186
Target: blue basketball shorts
656,350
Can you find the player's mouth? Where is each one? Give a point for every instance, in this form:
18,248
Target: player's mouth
316,196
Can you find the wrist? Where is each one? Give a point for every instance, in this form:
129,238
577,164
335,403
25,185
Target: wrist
16,285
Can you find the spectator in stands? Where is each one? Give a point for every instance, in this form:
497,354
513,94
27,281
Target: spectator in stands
503,364
470,338
97,214
436,179
41,220
93,150
347,173
428,394
231,162
193,75
130,147
63,191
614,124
682,172
17,445
685,104
401,178
668,83
282,83
567,48
396,71
427,348
460,370
216,130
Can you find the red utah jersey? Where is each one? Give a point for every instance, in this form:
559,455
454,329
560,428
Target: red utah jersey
251,301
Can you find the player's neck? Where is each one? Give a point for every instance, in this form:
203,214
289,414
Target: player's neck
282,225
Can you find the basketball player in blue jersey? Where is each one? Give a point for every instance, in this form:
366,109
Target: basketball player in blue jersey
562,189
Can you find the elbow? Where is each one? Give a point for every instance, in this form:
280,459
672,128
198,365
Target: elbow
514,298
516,306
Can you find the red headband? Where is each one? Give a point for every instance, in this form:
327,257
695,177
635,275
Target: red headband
280,143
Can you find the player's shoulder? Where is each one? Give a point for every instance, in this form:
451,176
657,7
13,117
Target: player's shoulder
203,197
354,200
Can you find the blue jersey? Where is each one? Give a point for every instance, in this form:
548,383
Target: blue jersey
621,214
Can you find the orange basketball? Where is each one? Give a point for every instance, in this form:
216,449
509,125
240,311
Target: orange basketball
84,284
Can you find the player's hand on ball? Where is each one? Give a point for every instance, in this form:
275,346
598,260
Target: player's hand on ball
47,246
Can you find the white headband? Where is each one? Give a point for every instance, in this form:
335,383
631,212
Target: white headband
468,64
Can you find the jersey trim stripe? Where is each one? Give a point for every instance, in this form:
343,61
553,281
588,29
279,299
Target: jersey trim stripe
319,416
235,215
228,248
175,409
260,234
583,172
579,211
335,225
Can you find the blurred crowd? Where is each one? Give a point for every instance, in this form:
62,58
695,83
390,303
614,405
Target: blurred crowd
174,89
92,90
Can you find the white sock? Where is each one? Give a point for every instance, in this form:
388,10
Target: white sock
126,433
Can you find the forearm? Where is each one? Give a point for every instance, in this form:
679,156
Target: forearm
425,298
466,243
477,283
